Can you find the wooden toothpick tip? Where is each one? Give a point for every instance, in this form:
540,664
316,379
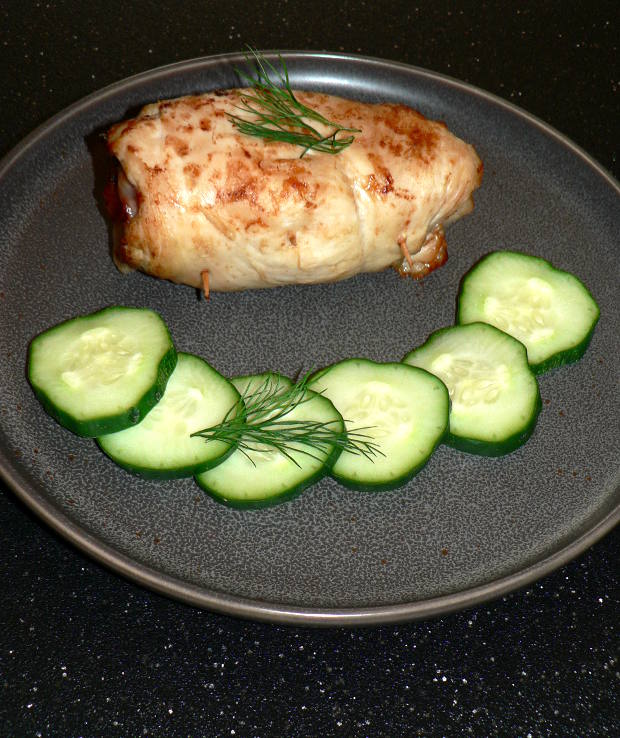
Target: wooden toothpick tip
205,283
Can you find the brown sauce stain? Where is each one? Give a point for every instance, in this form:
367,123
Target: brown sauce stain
197,102
256,222
192,172
299,188
418,133
395,147
294,183
381,184
180,146
245,191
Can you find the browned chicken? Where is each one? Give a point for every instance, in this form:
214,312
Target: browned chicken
201,204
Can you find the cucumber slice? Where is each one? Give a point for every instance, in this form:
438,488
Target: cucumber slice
103,372
404,410
550,311
265,476
161,446
249,383
494,394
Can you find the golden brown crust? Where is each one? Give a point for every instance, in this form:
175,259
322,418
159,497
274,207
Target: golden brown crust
253,214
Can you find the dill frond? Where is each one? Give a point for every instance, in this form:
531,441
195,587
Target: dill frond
277,115
258,422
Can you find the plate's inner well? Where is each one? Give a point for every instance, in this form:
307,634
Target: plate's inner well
464,520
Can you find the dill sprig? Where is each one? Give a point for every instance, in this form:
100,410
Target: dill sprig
279,116
258,422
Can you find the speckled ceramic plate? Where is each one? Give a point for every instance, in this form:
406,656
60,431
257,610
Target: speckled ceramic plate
466,528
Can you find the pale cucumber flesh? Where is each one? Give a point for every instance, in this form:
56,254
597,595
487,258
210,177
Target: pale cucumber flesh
493,392
550,311
102,372
196,397
404,411
265,475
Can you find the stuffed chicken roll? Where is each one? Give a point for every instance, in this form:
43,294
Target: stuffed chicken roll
198,202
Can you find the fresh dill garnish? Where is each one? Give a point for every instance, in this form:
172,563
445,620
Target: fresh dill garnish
279,116
257,422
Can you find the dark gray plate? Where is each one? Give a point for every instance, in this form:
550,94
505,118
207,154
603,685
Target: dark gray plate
466,528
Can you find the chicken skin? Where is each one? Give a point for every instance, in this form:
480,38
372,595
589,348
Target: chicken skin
199,203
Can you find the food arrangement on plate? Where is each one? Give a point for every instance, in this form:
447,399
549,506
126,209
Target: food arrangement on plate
205,195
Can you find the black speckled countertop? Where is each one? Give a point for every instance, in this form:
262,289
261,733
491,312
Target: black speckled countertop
83,652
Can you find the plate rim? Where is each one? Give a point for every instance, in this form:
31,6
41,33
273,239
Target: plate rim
256,609
195,62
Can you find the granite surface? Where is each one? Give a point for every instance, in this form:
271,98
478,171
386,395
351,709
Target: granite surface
85,653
